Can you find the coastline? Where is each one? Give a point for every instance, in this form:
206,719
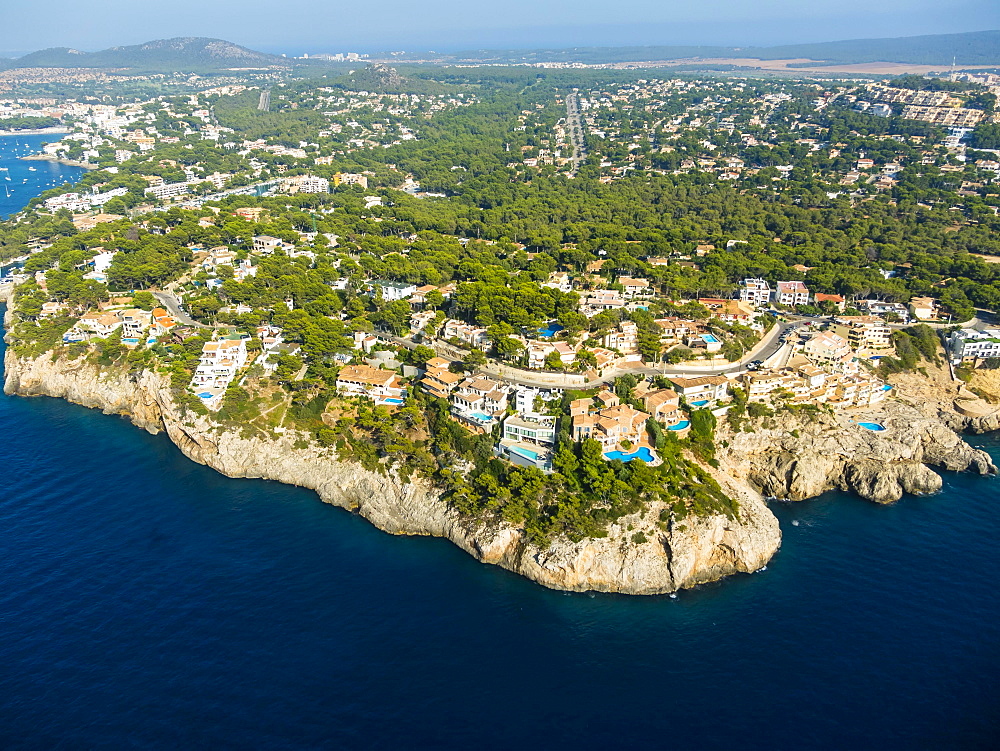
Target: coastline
58,160
673,557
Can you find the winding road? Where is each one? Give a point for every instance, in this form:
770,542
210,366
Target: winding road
767,347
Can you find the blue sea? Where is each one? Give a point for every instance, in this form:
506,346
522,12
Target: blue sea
28,179
148,602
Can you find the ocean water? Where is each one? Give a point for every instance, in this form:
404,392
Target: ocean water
25,183
149,602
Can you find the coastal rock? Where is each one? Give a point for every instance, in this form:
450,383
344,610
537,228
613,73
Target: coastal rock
686,554
795,457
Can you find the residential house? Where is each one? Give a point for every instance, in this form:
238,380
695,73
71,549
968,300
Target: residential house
625,338
837,300
220,361
135,322
883,308
100,324
730,311
265,245
479,401
675,330
392,291
559,280
599,300
525,396
923,308
663,405
791,293
634,287
438,380
472,335
363,380
539,430
611,427
702,390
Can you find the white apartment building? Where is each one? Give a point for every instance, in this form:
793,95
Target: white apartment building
757,292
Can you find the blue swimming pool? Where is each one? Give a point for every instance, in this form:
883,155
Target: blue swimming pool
699,403
642,453
482,417
551,330
682,425
205,395
526,453
392,401
709,339
887,387
872,426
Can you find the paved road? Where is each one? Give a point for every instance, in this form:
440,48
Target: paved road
575,126
765,348
174,309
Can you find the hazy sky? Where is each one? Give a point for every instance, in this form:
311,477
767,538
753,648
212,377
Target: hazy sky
297,26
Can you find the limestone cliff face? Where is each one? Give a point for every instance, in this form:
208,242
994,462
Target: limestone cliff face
694,552
793,457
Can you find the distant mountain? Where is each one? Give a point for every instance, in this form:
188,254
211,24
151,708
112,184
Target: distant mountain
181,53
973,48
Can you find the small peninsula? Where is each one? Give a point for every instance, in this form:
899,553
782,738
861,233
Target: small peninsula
584,329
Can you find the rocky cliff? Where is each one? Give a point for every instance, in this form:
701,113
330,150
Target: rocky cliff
936,394
697,551
797,456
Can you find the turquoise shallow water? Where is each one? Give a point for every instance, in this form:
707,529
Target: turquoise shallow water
149,602
28,179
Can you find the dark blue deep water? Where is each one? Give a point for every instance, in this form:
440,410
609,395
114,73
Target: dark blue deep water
149,602
29,179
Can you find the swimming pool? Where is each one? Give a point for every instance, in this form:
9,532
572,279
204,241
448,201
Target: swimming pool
551,330
872,426
205,395
642,453
392,401
887,387
682,425
699,403
481,417
526,453
709,339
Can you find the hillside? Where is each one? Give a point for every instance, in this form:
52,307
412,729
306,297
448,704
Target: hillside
182,53
379,78
975,48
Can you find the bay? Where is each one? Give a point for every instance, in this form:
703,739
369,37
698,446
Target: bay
28,179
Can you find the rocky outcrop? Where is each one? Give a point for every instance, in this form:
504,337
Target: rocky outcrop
696,551
936,394
795,457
